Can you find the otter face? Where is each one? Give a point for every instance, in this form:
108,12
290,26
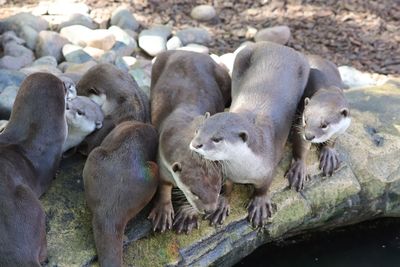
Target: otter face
201,184
221,137
83,114
322,119
70,86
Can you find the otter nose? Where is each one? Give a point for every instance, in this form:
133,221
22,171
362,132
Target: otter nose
309,136
198,146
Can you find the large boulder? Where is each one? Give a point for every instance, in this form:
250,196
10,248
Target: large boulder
366,186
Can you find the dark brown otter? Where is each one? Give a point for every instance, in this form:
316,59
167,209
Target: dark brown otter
119,97
120,178
30,152
185,85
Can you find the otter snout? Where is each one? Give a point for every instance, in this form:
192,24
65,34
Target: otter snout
195,145
309,136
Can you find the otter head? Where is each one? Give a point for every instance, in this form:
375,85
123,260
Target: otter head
199,181
69,86
222,136
325,115
83,114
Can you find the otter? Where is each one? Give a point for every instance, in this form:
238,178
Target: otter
120,178
119,97
83,117
184,86
30,152
268,81
323,114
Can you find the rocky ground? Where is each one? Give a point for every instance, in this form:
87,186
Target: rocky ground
363,34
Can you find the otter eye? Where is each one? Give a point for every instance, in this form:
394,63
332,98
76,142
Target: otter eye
216,139
93,91
197,131
324,126
80,113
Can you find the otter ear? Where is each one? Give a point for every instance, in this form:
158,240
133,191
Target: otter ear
207,115
244,136
306,100
345,112
152,167
176,167
99,124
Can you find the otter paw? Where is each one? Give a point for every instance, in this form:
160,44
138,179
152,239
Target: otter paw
260,209
328,160
221,213
162,216
297,175
186,220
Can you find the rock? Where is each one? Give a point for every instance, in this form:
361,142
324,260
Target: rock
79,68
50,44
276,34
76,34
141,77
354,78
45,61
203,13
154,40
125,63
102,39
251,32
10,78
94,52
41,68
195,48
125,45
7,98
366,186
108,57
65,7
15,55
194,35
75,54
79,19
124,19
174,43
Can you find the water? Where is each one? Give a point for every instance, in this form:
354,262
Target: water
370,244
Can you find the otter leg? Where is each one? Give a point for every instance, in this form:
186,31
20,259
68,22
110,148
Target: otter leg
223,208
162,214
260,207
328,158
186,219
297,173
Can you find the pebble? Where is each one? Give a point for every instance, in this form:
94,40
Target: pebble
154,40
79,68
174,43
203,13
194,35
142,79
76,34
95,53
79,19
125,45
15,55
75,54
124,19
276,34
195,48
10,77
41,68
125,63
7,99
50,43
108,57
101,38
45,61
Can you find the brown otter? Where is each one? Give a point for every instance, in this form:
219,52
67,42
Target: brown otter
118,95
322,116
120,178
268,81
184,86
30,152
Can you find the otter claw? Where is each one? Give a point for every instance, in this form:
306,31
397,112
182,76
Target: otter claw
162,216
185,221
259,210
297,175
329,161
219,216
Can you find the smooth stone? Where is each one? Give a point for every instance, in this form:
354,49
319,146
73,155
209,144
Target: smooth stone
76,34
94,52
46,61
125,63
174,43
195,48
101,38
125,45
251,32
142,78
10,78
15,55
194,35
79,68
7,99
65,7
50,43
41,68
276,34
124,19
354,78
154,40
75,54
30,35
203,13
15,22
79,19
108,57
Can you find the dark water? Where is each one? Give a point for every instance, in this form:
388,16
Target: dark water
370,244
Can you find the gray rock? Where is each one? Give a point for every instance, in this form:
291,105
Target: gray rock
142,78
80,69
125,63
15,55
108,57
10,78
79,19
94,52
7,99
50,44
75,54
195,48
124,19
276,34
30,35
125,45
15,22
76,34
66,8
41,68
194,35
154,40
101,38
203,13
45,61
174,43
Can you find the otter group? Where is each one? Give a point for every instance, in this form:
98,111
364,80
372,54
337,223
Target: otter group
139,148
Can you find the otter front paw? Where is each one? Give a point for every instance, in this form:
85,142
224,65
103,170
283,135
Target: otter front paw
162,216
260,208
221,213
186,220
328,160
297,175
